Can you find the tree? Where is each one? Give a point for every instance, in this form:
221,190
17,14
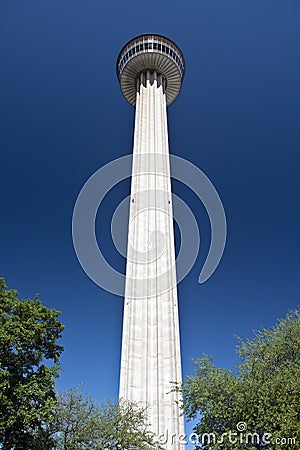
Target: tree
29,364
82,424
258,403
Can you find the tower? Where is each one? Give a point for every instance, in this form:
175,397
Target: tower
150,69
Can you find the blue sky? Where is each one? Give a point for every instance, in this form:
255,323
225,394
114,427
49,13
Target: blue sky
237,118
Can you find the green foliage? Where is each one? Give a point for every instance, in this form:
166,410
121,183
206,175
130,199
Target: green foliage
124,426
82,424
29,363
263,392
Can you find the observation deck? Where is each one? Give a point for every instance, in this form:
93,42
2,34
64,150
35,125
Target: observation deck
150,52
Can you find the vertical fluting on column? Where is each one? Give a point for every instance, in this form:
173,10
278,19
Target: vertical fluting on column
150,358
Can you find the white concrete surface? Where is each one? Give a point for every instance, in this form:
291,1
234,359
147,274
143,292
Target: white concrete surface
150,358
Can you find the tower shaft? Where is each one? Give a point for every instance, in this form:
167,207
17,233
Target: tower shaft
150,358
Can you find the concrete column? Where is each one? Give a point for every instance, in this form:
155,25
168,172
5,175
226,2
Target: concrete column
150,358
